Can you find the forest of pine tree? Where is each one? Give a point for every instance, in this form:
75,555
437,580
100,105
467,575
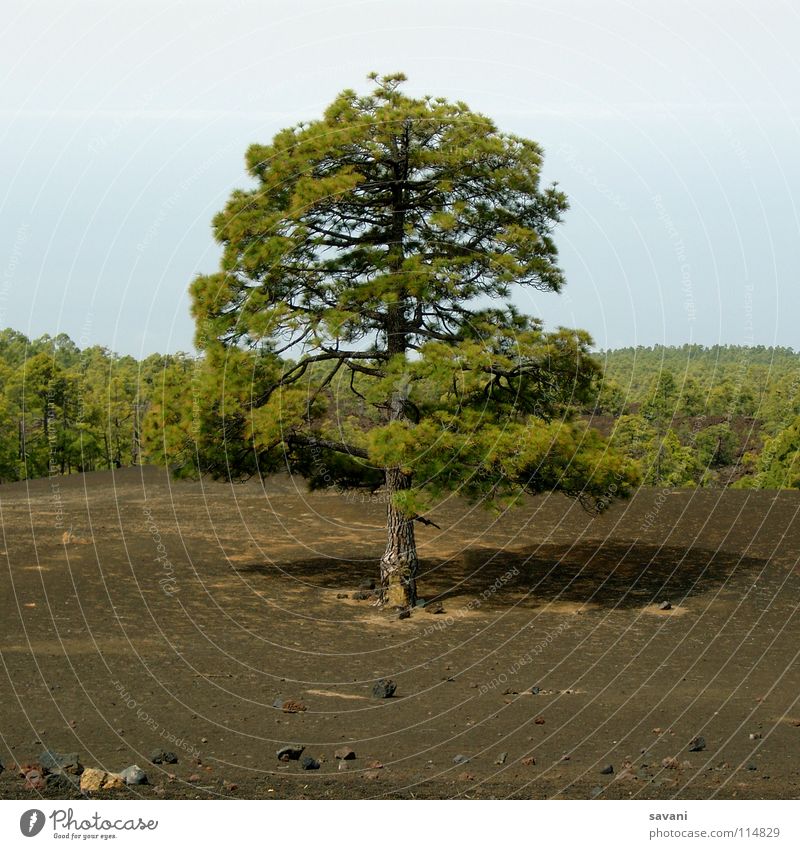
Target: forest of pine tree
690,415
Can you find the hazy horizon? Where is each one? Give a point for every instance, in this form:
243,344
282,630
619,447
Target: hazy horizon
672,130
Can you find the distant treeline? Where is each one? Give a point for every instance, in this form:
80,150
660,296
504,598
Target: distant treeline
690,415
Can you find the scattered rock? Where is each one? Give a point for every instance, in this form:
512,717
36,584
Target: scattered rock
534,691
697,744
309,763
404,614
607,770
292,706
159,756
342,595
539,720
529,761
362,595
278,701
291,752
51,761
665,605
669,763
756,735
194,778
92,780
372,775
35,779
752,767
436,610
501,758
466,776
461,759
343,766
374,765
230,786
113,782
63,782
385,688
133,775
345,753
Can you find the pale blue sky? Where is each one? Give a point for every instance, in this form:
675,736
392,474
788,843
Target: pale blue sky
672,127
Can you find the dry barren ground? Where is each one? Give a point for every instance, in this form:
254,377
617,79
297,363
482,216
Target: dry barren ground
109,651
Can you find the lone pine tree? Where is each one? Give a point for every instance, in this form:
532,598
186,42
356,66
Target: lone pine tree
360,329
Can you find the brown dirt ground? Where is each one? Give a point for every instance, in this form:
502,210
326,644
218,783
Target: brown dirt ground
98,658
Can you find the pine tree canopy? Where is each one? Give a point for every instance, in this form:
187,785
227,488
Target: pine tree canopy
361,328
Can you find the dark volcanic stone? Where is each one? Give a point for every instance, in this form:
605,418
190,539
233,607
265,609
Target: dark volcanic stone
362,595
159,756
51,761
385,688
309,763
290,753
404,614
697,744
63,782
607,770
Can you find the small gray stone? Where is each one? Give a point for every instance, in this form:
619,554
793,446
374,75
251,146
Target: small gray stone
461,759
309,763
534,691
290,753
607,770
133,775
665,605
404,614
752,767
159,756
501,758
384,688
697,744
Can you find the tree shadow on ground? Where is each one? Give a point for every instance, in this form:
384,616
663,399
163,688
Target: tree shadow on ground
610,574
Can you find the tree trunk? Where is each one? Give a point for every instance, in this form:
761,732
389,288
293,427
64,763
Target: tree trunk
399,563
